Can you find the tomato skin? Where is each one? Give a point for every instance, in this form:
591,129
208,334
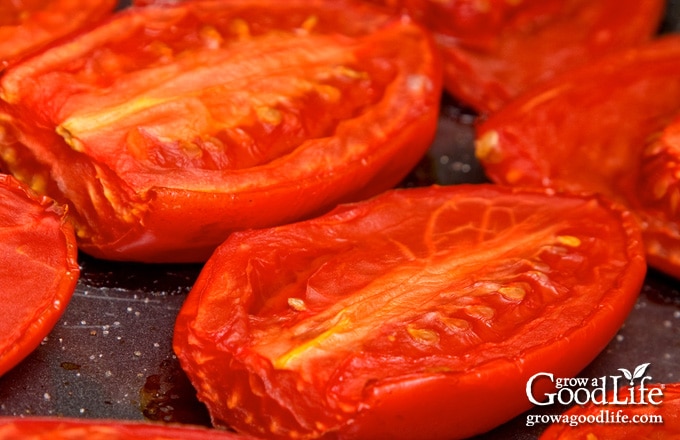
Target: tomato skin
38,256
53,428
238,115
595,130
29,25
669,409
373,321
495,50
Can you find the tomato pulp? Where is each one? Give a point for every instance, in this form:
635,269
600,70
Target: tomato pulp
168,127
27,26
494,50
622,422
420,313
51,428
38,269
604,128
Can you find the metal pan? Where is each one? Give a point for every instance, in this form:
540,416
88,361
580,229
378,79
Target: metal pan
110,355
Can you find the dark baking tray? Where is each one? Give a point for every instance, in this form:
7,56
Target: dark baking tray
110,355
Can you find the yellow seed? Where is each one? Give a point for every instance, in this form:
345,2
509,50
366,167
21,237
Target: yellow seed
569,240
160,50
455,323
297,304
486,147
348,72
328,93
674,200
310,23
269,115
481,312
423,335
211,37
39,183
8,155
232,400
515,293
660,188
513,176
240,28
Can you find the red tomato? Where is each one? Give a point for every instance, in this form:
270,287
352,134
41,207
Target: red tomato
420,313
495,49
38,269
600,129
167,128
624,422
52,428
28,25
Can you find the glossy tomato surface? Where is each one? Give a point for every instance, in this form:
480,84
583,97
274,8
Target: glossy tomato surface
59,428
28,25
494,50
625,422
601,129
420,313
168,127
38,269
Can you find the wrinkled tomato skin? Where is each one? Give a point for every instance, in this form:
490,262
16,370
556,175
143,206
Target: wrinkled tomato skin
419,313
669,410
53,428
27,26
495,50
38,269
168,127
597,129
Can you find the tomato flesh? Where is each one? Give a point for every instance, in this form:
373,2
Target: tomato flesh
417,314
39,269
168,127
642,422
601,129
57,428
26,26
495,50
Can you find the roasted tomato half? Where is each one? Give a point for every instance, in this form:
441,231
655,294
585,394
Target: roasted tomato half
28,25
168,127
58,428
38,269
495,49
652,417
420,313
612,128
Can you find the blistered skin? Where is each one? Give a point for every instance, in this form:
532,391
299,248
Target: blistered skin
417,314
169,127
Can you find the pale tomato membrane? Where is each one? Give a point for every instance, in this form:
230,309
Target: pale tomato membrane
420,312
38,269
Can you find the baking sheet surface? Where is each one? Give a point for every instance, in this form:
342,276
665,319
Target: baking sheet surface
110,355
